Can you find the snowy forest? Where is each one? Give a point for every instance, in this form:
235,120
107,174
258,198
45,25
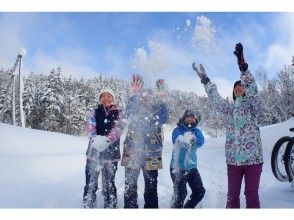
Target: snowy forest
53,102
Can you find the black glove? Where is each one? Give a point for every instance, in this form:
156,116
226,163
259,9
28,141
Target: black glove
201,73
243,66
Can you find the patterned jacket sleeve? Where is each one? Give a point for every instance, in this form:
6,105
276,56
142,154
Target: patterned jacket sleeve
117,129
249,83
251,90
91,125
220,104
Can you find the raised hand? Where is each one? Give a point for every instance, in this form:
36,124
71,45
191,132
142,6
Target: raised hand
137,83
160,87
201,73
243,66
239,51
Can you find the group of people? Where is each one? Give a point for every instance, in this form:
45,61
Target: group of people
144,117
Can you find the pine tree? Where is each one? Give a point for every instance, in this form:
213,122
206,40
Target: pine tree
52,101
285,84
212,120
28,99
4,80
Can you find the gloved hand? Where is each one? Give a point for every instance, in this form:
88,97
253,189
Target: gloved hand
137,83
160,87
100,143
193,140
160,84
201,73
186,146
125,122
243,66
181,143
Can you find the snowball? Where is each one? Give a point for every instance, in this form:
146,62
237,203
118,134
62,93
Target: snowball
188,22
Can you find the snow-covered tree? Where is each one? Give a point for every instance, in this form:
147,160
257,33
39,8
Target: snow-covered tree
28,98
271,111
52,101
56,103
4,81
212,120
285,84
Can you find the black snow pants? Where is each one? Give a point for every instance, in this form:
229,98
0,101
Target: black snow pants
131,188
180,179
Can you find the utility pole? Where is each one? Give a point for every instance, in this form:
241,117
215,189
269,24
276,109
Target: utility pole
10,84
13,101
22,117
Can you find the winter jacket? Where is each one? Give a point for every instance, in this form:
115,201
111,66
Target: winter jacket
105,122
243,143
186,140
145,121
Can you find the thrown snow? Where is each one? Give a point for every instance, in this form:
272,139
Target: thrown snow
204,33
188,22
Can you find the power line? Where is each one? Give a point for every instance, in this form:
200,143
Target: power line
6,56
9,52
33,66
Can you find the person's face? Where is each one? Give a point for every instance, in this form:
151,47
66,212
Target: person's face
145,97
191,119
106,99
239,90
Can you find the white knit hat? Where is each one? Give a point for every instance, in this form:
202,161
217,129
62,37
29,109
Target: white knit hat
108,90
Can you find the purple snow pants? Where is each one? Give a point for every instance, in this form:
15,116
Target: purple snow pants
251,175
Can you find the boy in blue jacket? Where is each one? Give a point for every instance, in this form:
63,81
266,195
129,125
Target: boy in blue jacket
186,138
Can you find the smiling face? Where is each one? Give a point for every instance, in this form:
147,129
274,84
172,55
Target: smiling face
239,90
106,99
190,119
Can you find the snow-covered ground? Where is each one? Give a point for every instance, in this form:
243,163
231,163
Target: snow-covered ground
40,169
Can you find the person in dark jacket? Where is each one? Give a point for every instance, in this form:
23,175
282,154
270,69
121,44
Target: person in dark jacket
143,143
104,129
243,148
186,138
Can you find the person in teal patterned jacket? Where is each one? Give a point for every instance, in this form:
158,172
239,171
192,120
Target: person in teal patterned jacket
243,147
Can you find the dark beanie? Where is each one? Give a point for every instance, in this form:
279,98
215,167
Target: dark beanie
189,112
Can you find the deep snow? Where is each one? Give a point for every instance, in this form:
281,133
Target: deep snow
42,169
